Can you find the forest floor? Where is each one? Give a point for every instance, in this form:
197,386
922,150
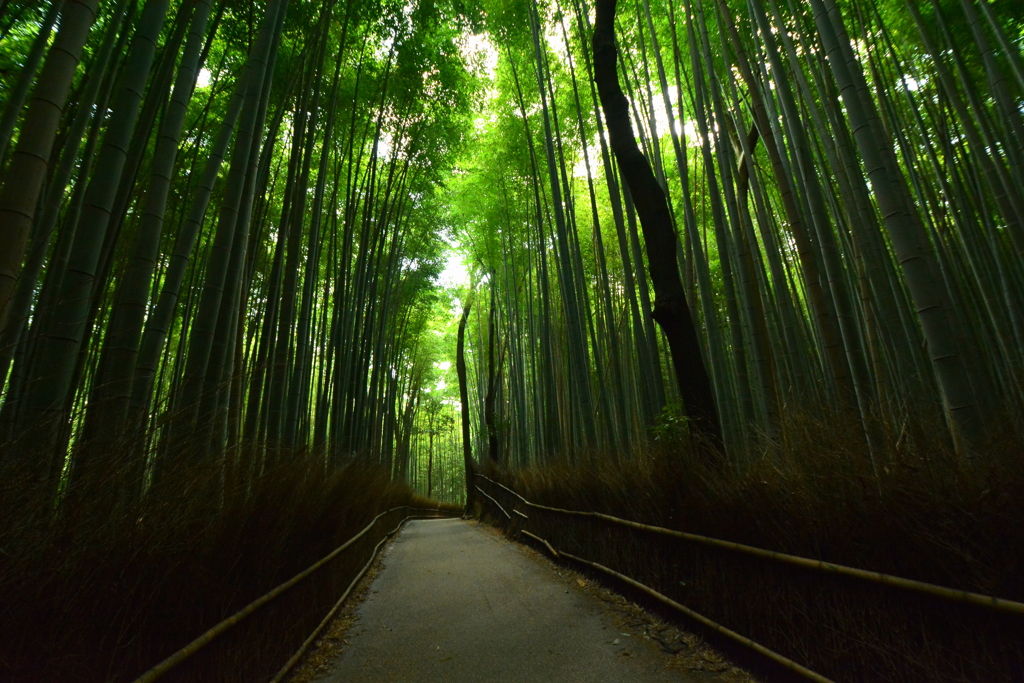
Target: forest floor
455,601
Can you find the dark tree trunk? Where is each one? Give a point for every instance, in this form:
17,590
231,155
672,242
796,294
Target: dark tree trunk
430,460
670,311
493,378
467,444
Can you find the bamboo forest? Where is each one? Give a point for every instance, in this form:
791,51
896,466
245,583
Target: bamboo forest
751,269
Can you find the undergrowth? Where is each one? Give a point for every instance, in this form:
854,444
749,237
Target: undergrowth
87,601
810,490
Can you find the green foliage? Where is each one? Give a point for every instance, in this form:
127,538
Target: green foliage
670,426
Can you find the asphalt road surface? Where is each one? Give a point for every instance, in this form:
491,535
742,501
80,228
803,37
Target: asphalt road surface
457,603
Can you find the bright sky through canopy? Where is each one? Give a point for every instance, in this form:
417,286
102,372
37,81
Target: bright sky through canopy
455,273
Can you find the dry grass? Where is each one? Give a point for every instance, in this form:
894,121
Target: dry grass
929,515
88,601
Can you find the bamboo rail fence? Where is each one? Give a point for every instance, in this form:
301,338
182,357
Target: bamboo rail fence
951,594
920,587
714,625
212,633
279,676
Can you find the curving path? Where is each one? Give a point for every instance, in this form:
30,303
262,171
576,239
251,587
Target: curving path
455,602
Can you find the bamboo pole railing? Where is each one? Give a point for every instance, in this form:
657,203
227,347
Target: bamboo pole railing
715,626
212,633
922,587
294,659
485,495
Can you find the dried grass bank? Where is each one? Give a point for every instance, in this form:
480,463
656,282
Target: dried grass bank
81,601
929,516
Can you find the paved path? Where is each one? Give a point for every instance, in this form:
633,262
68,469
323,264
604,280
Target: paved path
457,603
